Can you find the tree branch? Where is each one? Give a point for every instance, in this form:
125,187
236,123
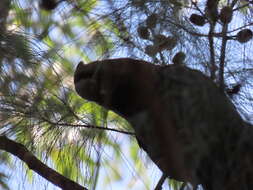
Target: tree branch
88,126
223,56
212,52
223,51
36,165
160,182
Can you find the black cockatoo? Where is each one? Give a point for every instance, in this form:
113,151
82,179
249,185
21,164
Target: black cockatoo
185,123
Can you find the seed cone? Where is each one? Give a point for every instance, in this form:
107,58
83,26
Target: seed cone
179,58
151,21
244,35
143,32
226,14
151,50
163,42
197,20
48,4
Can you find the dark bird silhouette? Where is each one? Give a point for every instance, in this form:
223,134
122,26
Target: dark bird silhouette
187,126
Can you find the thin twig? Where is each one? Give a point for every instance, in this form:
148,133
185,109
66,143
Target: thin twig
89,126
243,6
223,56
223,51
160,182
212,52
183,186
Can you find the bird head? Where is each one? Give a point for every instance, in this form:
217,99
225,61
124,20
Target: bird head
122,85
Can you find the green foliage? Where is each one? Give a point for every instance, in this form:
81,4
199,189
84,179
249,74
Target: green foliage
175,184
39,106
4,160
3,185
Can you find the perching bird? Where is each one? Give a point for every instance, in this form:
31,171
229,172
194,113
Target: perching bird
187,126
